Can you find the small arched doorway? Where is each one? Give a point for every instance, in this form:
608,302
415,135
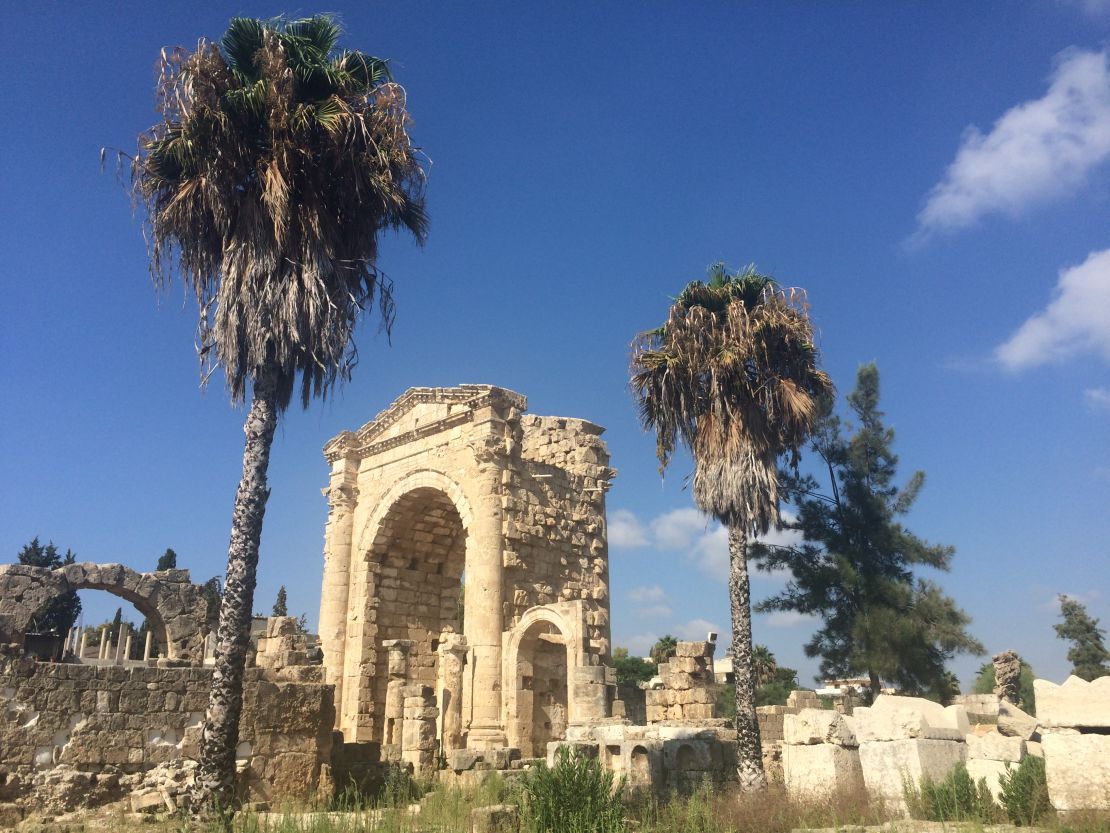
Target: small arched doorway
542,687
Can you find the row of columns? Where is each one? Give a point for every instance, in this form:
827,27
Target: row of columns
118,652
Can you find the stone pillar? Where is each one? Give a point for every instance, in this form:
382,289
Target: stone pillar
342,495
104,643
127,646
484,615
84,639
148,648
398,663
418,738
449,689
1007,677
122,636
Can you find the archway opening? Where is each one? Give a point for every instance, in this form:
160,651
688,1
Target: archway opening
419,555
542,700
116,627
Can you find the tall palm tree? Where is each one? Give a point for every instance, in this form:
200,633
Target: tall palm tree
732,375
277,163
663,649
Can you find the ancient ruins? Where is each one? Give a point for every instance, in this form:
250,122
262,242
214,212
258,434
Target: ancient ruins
464,628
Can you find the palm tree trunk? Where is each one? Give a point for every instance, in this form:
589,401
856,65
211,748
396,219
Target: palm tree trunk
216,771
749,753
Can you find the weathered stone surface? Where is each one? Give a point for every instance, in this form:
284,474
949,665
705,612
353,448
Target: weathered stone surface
886,763
814,771
1078,769
990,771
813,726
1014,723
902,718
995,746
497,818
1007,677
1075,704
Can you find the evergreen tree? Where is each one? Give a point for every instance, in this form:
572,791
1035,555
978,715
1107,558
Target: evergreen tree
281,606
167,561
856,565
59,614
1088,654
630,669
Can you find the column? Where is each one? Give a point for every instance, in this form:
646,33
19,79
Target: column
484,595
148,648
397,651
342,495
449,688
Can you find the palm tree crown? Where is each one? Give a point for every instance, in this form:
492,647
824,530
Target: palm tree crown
732,375
277,162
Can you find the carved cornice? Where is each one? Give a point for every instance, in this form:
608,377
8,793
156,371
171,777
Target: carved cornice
361,443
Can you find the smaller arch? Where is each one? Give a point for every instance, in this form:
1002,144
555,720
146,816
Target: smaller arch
175,606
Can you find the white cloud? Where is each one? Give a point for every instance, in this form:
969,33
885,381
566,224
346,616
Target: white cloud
696,630
1038,150
639,644
1095,8
679,529
652,593
1097,399
659,611
1076,320
788,619
625,530
710,551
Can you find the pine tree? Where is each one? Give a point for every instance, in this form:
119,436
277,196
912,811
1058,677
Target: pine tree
167,561
855,568
281,606
59,614
1088,654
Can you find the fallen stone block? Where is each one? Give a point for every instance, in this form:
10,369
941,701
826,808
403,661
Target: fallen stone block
1078,770
990,771
1076,704
1013,722
818,726
995,746
885,765
818,770
497,818
147,801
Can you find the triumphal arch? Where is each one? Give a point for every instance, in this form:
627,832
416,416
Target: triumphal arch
466,569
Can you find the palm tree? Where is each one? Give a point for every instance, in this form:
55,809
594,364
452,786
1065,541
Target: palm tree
764,664
732,375
663,649
277,163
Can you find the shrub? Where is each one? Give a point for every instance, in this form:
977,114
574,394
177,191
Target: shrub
956,798
574,796
1025,791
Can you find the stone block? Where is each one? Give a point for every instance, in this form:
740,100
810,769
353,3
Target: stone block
813,771
1014,723
886,763
994,746
1078,769
1075,704
902,718
818,726
497,818
990,771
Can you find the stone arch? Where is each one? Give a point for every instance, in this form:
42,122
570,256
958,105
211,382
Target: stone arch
539,657
175,606
415,548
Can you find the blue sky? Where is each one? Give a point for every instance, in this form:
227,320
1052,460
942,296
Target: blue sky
934,174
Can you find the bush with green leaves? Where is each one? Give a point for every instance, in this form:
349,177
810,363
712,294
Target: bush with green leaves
1025,791
576,795
956,798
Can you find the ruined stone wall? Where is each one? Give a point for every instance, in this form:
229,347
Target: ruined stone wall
121,720
689,689
554,523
